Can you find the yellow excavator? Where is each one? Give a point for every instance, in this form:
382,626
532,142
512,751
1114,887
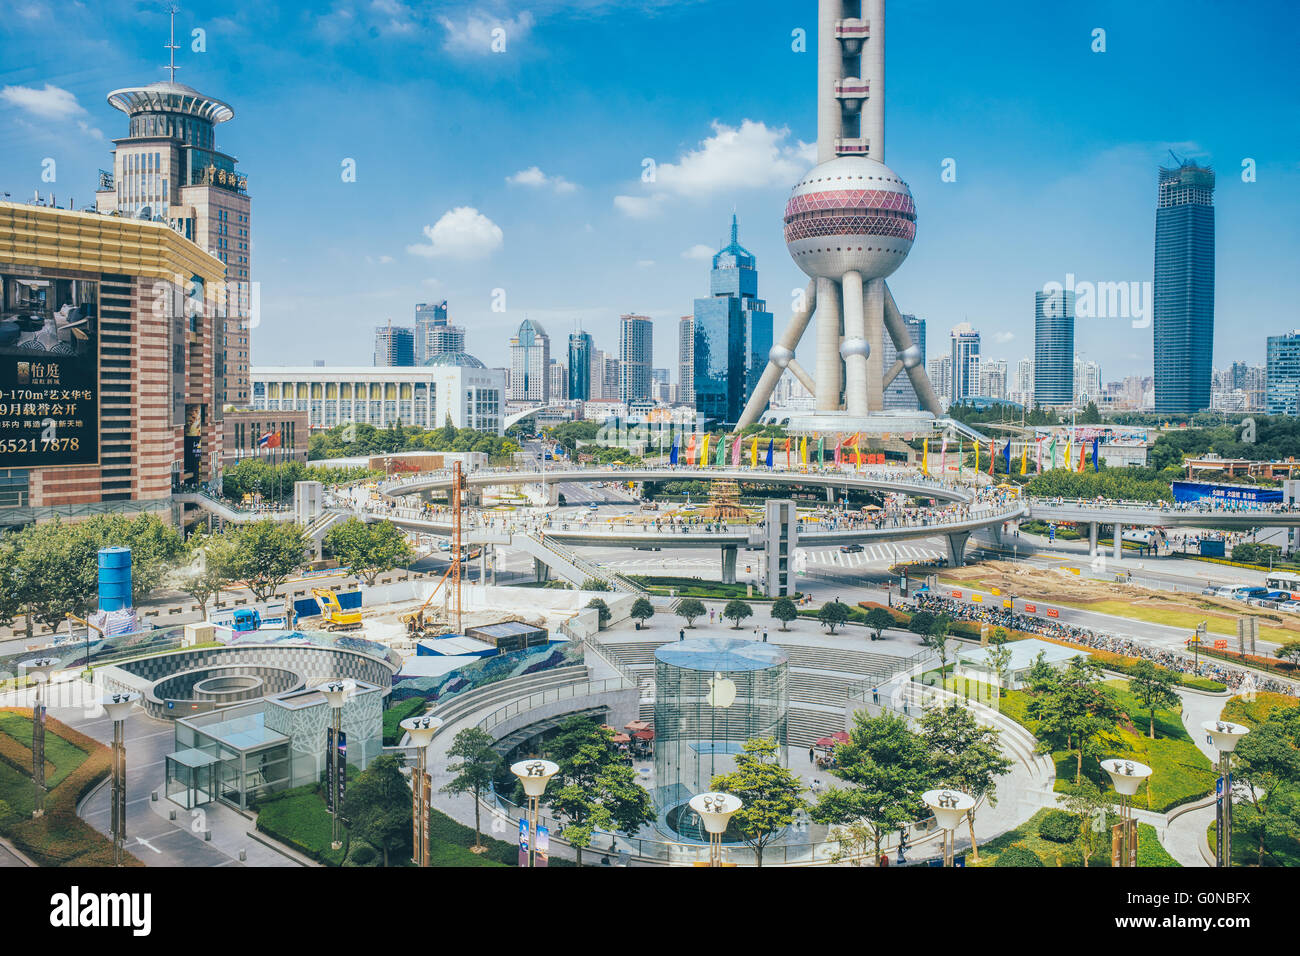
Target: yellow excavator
333,617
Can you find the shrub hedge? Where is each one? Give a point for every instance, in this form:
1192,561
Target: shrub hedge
1018,855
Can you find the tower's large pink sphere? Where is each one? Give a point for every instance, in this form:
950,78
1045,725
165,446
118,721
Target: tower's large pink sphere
851,214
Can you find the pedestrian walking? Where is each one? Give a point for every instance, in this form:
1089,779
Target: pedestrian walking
764,635
811,755
681,634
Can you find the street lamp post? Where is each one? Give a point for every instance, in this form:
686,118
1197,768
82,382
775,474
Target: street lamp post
948,807
716,810
534,775
118,707
39,670
1225,737
335,692
1127,776
421,730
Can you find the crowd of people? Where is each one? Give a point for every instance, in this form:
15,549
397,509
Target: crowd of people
1231,677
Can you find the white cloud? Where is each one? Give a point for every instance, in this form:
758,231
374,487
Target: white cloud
1002,338
378,260
699,251
462,233
52,102
645,263
640,207
752,155
536,179
473,35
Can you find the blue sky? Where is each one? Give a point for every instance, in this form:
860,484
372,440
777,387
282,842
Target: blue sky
521,171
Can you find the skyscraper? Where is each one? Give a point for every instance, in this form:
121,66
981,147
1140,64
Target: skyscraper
1025,381
1087,382
581,347
1183,314
1282,388
686,360
394,346
167,168
530,360
1053,370
965,363
940,372
993,379
636,349
558,386
901,393
430,319
733,334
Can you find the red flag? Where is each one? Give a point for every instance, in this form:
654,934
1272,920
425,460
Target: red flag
787,452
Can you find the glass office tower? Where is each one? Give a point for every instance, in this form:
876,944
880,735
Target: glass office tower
733,335
1054,347
1183,317
581,347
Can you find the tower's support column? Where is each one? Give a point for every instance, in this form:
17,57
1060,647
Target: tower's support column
828,345
957,548
873,71
854,347
789,340
1119,542
910,354
830,495
874,314
830,67
729,564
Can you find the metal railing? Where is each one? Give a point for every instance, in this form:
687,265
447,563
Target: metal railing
879,676
550,696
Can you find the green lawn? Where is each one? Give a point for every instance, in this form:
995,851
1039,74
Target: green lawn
16,785
1278,851
1180,772
394,715
1150,852
298,818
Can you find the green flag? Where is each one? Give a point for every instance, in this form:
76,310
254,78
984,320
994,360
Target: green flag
722,451
821,449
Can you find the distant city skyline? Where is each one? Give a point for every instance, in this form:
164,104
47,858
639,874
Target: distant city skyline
334,258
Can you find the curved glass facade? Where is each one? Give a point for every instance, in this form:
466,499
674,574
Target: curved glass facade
1054,347
711,695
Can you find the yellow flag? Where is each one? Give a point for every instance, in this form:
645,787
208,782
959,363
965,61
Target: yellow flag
753,453
704,452
1069,464
977,457
1024,459
925,456
803,450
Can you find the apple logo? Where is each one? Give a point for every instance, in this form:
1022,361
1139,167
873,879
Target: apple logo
722,691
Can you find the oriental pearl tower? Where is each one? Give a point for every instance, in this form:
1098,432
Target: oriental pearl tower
849,224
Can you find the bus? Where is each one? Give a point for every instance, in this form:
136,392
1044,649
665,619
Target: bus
1284,581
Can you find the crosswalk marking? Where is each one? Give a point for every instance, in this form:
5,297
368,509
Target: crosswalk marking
872,554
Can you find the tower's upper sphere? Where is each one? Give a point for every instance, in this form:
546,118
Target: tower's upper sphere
851,214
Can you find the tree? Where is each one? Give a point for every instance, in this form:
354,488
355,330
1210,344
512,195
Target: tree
783,610
999,661
267,553
833,614
770,794
1077,713
690,609
1289,651
55,572
642,610
1154,687
937,640
920,623
155,546
478,767
594,789
602,612
377,807
889,767
368,549
1087,802
1266,778
210,566
966,755
877,620
595,584
737,611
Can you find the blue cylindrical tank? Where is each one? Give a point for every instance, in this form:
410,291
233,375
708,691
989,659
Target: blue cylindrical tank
114,579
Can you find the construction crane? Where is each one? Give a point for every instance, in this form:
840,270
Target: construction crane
417,621
332,614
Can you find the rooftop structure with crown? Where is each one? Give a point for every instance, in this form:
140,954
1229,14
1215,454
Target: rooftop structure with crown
849,224
168,169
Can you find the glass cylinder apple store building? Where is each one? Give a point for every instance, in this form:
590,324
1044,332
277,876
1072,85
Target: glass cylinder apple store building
711,695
